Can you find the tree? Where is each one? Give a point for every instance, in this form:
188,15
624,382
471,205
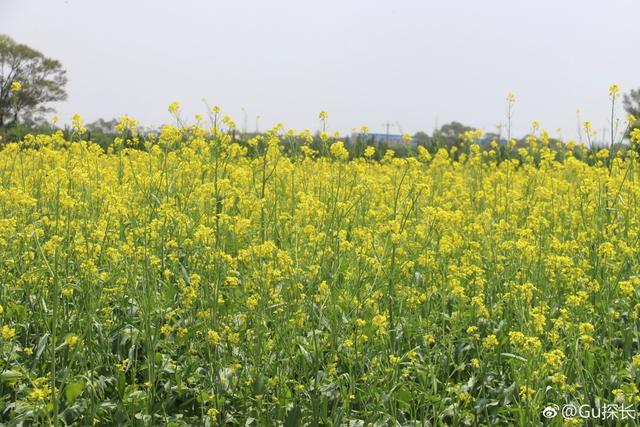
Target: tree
104,126
28,82
632,106
421,138
451,133
632,103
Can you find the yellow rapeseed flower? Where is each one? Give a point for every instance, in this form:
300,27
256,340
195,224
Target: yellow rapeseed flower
8,332
174,107
72,340
614,90
213,337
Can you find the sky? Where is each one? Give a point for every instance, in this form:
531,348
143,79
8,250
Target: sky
413,63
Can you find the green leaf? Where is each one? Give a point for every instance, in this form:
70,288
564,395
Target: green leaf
293,418
42,344
404,396
258,385
305,354
11,376
513,356
72,391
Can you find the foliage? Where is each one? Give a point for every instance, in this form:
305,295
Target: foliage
421,138
28,82
450,134
631,103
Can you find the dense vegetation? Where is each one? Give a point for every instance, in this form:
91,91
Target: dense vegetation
200,279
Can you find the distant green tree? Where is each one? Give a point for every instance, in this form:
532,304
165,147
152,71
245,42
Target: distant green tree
492,136
102,125
632,103
450,134
28,82
421,138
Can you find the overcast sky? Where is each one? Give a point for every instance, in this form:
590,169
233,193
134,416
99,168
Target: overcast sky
414,62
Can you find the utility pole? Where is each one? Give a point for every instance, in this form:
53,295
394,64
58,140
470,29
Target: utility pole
244,123
579,126
387,125
399,128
